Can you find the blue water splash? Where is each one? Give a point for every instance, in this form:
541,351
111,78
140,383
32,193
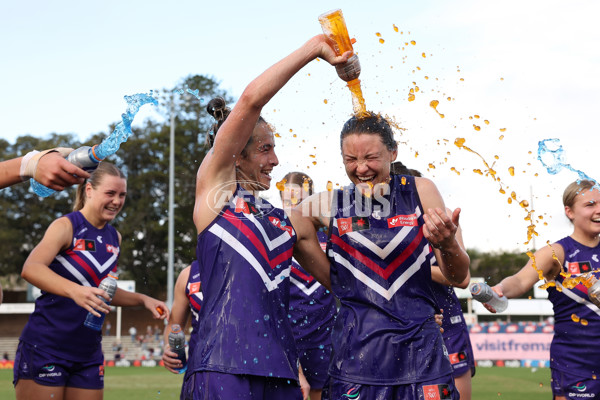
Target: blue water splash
111,143
122,132
195,93
551,155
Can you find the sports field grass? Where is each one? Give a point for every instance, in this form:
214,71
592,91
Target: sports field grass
157,384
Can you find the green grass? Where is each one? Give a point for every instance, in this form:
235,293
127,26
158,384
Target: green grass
157,383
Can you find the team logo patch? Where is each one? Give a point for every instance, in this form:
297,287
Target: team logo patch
112,249
403,220
84,245
456,358
436,392
576,268
352,224
281,225
101,370
194,287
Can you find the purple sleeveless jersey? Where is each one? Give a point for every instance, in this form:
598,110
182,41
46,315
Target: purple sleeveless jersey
384,333
193,291
456,332
244,259
56,324
312,307
575,348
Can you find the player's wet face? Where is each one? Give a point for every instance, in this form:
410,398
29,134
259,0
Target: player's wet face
585,212
366,158
258,159
108,197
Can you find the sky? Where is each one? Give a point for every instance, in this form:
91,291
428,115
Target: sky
519,71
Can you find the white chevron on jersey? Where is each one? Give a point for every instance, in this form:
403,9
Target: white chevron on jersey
271,244
579,299
300,285
397,284
101,268
392,244
228,238
76,274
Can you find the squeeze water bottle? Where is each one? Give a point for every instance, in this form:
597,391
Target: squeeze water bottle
109,285
484,294
334,27
84,157
177,345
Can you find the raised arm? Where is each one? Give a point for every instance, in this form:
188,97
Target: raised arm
217,171
440,229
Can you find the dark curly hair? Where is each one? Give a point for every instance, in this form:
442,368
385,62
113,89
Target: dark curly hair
370,123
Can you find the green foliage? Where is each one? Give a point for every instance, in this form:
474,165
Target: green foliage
143,223
496,266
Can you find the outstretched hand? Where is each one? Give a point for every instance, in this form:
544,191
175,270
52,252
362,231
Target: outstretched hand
498,290
439,228
158,308
54,171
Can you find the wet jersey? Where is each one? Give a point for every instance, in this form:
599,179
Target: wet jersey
56,324
193,291
384,332
574,347
312,307
446,299
244,258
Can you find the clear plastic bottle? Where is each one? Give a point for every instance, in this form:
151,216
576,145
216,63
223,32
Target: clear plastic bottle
109,285
177,345
84,157
593,285
484,294
334,27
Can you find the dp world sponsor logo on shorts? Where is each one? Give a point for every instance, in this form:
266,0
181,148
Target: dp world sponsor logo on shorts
581,388
353,394
223,194
48,371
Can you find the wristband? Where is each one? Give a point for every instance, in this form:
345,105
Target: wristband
25,170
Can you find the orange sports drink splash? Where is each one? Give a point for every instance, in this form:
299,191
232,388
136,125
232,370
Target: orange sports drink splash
334,27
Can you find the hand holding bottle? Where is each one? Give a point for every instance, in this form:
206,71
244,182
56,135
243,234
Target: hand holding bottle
492,298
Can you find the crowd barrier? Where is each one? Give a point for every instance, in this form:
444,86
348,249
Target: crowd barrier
505,344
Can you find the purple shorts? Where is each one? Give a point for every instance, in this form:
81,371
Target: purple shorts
460,352
437,389
574,386
48,370
315,363
210,385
